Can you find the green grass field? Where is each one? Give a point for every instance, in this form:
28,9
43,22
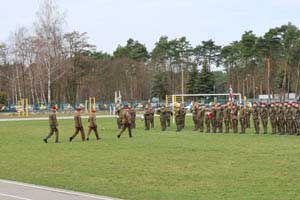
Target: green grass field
153,165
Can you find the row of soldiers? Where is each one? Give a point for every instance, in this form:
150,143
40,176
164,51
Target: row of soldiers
284,117
53,123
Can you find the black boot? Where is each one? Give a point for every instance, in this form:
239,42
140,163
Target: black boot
45,140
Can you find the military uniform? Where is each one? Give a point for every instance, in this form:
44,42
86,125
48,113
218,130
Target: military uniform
273,118
53,126
152,112
118,113
234,118
180,118
169,114
255,116
147,118
214,119
208,117
219,119
248,116
126,122
200,117
297,120
92,125
281,120
133,117
243,119
264,116
163,118
78,126
227,118
195,116
289,120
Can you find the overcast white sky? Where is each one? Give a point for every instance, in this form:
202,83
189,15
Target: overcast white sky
112,22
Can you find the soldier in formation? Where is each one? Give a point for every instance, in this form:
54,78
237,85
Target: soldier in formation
180,118
126,121
53,125
78,125
92,125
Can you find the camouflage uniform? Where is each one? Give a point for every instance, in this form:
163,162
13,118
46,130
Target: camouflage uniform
179,118
169,113
92,125
207,119
78,126
273,112
297,120
255,116
53,126
219,119
200,117
147,118
234,118
126,122
163,118
133,116
195,111
243,119
289,120
227,118
152,117
248,116
264,116
118,113
281,120
214,119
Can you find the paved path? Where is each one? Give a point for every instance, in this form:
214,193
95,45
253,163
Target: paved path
10,190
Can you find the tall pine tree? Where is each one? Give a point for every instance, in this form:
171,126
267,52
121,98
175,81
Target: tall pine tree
205,81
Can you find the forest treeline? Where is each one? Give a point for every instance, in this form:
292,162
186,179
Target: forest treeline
47,64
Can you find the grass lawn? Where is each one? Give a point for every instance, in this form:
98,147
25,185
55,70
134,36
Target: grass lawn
153,165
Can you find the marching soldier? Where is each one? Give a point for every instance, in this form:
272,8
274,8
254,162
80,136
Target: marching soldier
179,118
273,118
297,120
281,119
219,118
93,125
255,116
200,117
53,125
208,117
126,121
169,114
152,112
243,118
118,113
163,118
289,119
147,117
214,119
78,125
194,111
133,116
264,116
227,117
248,115
234,118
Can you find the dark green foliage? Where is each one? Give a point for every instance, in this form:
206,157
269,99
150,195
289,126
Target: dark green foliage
160,85
193,79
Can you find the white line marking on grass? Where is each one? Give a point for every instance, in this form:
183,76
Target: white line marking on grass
58,190
13,196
